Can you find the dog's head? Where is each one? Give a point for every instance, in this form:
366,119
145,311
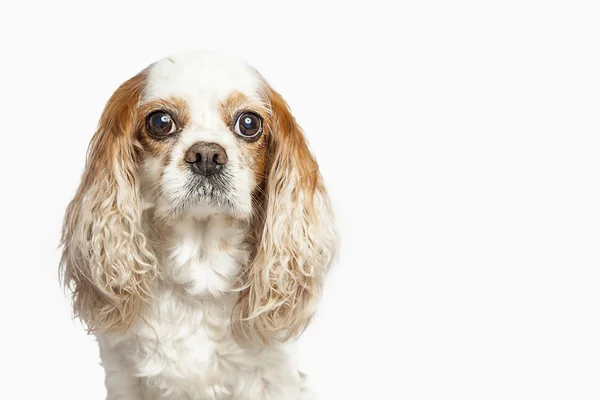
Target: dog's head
199,134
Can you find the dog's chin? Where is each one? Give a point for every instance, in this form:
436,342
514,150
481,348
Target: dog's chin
201,207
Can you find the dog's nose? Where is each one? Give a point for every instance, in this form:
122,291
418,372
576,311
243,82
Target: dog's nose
206,158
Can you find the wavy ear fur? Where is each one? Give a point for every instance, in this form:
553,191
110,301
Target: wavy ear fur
296,239
106,260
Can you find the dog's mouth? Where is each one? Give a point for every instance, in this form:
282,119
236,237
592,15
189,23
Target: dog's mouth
205,194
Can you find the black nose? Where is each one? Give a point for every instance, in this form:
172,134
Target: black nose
206,158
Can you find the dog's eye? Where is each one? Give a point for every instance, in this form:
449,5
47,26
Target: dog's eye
248,125
160,123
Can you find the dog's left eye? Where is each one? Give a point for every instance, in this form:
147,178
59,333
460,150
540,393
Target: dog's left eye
248,125
160,123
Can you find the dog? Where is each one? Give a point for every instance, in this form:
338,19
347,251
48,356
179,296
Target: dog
196,246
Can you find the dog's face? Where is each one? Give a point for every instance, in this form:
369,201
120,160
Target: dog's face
195,135
204,124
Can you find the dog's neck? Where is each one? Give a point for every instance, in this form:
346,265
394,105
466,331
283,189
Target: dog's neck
203,256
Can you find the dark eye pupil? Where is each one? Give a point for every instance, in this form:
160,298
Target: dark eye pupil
248,123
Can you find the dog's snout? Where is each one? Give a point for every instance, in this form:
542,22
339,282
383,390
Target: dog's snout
206,158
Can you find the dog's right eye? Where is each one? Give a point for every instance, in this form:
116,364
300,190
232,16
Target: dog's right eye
160,123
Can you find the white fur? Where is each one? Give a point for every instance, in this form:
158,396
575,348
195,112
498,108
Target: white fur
185,348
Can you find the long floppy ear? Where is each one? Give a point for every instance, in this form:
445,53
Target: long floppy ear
106,260
295,240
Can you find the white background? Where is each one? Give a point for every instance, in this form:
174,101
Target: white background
460,143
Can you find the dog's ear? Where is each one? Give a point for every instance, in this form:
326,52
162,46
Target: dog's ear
106,260
295,241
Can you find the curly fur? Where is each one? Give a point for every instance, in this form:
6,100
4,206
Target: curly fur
296,238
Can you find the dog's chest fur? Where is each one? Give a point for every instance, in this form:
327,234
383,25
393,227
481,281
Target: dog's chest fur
185,348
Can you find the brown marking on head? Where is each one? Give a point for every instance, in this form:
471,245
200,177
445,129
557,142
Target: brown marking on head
255,152
231,106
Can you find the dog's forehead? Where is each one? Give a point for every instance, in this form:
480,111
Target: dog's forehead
202,78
